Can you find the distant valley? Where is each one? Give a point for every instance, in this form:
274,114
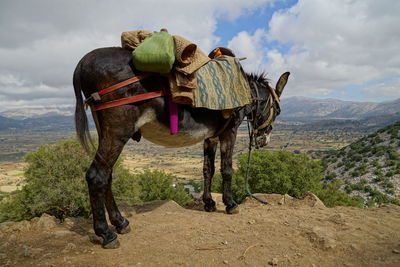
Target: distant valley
297,113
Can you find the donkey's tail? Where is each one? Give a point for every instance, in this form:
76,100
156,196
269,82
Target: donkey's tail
81,121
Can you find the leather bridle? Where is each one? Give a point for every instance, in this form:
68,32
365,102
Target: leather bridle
270,111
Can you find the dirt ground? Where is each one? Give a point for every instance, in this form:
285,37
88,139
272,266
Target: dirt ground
11,176
288,232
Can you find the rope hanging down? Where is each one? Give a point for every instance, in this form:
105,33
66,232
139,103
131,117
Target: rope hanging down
246,179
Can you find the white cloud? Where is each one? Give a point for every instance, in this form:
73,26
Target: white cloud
332,44
389,88
44,40
335,44
249,46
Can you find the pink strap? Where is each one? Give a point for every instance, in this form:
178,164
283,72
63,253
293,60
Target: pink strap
173,115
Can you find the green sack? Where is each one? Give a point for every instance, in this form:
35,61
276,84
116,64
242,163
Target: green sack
155,54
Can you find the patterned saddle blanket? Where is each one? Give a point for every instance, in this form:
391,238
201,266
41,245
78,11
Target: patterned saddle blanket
222,84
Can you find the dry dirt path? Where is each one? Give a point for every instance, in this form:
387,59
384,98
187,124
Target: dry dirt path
289,232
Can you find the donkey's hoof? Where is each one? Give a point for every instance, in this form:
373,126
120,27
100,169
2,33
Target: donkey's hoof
110,240
124,228
232,209
210,207
113,244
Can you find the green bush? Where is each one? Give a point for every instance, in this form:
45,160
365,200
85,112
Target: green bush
332,196
158,185
55,185
331,176
282,172
125,185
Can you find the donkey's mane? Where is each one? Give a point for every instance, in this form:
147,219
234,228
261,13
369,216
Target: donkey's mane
258,78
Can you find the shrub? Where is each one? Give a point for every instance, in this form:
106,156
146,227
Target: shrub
332,196
125,185
330,176
282,172
55,185
393,155
158,185
390,173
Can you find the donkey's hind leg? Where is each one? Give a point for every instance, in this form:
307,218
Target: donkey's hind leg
98,179
208,172
121,224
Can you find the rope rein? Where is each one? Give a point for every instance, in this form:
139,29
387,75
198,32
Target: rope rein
246,178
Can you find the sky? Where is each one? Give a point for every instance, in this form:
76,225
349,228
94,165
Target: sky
343,49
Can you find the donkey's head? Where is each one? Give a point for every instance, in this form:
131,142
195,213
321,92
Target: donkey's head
265,107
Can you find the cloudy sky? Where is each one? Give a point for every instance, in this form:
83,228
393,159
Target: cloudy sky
344,49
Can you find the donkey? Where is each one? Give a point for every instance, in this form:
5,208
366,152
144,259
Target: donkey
105,67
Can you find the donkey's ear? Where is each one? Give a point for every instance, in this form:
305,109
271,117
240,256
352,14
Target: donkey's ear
280,85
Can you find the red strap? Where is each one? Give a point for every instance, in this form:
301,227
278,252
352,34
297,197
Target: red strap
127,100
124,83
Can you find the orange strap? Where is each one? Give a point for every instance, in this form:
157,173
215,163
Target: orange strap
127,100
124,83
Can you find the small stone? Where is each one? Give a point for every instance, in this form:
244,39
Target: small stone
12,237
273,262
225,242
62,233
226,262
68,222
282,201
46,222
27,252
354,246
396,251
69,247
251,222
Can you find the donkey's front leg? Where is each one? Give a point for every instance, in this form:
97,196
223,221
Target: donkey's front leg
227,140
208,172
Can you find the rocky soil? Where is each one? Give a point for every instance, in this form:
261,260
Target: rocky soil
288,232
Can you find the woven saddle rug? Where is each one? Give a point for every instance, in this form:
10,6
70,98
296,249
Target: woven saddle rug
222,84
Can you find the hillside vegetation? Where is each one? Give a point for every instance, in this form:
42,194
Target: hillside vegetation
55,185
370,167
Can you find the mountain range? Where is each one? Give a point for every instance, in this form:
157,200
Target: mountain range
296,112
333,113
304,108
